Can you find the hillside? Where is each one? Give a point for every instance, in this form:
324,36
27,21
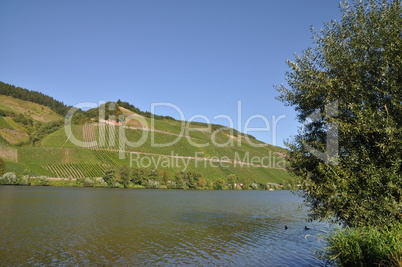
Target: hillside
33,96
20,120
34,139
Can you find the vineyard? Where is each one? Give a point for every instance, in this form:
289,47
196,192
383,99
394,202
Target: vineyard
105,157
88,135
76,170
82,170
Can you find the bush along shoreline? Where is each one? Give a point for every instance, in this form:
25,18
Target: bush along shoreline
365,246
125,177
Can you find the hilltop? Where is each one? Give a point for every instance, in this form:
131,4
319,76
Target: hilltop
35,139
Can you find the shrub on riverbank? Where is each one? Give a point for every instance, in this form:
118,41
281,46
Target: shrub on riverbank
366,246
24,180
88,182
41,180
11,178
63,182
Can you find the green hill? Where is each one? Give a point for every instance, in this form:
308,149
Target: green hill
33,138
33,96
20,120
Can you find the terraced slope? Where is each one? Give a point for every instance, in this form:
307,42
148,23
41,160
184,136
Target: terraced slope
89,149
19,119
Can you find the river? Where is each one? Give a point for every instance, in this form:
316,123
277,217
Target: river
53,226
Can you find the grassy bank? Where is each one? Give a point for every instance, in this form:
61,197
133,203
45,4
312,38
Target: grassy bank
366,247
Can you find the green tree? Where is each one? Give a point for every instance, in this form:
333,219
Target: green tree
164,177
232,180
246,183
219,184
124,175
202,183
192,178
180,179
2,167
140,176
347,91
109,178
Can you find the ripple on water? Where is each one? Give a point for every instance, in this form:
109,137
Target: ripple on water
84,226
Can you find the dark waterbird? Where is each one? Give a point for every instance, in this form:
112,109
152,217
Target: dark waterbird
306,228
286,227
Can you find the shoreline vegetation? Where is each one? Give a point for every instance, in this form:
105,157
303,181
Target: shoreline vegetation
365,246
183,180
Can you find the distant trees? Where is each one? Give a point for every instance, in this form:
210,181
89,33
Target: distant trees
109,178
32,96
164,177
189,180
246,183
202,182
124,175
192,178
219,184
140,176
151,178
179,180
148,114
232,181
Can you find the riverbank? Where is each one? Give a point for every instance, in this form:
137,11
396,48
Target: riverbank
366,246
219,184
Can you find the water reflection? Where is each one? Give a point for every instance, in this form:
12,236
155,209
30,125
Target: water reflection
87,226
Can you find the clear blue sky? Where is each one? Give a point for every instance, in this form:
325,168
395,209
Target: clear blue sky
203,56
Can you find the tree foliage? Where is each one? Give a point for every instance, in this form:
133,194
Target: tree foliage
110,178
189,180
140,176
356,64
124,175
232,180
33,96
219,184
164,177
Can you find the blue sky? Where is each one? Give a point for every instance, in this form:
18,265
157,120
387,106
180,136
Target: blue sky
202,56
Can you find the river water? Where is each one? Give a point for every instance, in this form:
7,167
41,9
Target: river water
53,226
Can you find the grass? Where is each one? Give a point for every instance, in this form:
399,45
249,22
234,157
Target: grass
14,125
13,136
59,139
4,123
366,247
35,111
14,167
